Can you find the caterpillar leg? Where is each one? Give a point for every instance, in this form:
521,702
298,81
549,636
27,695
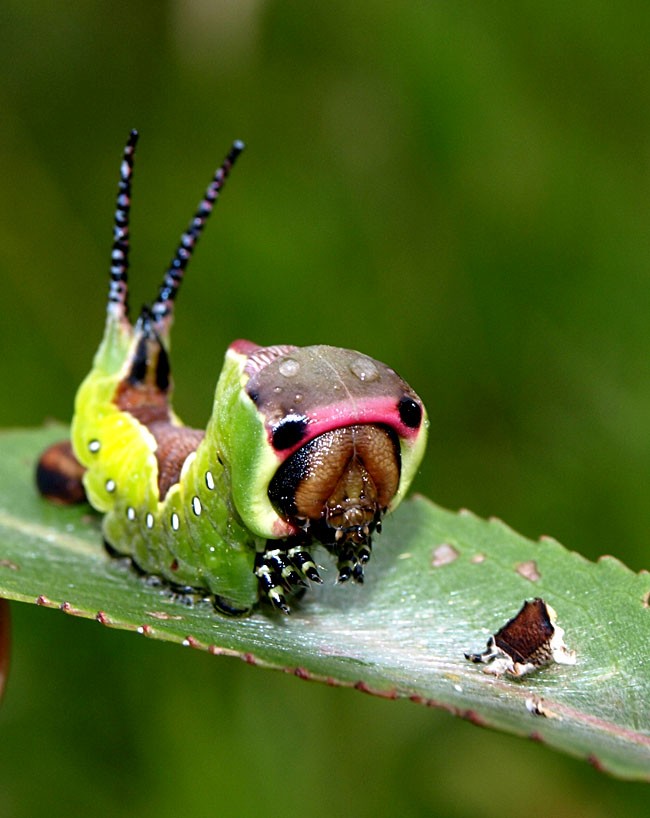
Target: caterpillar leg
350,546
350,559
59,473
282,571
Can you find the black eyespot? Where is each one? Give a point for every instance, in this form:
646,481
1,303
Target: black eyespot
410,412
289,431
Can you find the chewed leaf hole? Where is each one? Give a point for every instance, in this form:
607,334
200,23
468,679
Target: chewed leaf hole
12,566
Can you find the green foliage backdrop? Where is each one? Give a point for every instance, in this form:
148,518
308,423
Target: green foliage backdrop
460,189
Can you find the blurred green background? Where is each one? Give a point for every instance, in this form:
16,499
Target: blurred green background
462,190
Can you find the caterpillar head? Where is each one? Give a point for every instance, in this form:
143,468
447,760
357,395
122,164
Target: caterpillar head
325,440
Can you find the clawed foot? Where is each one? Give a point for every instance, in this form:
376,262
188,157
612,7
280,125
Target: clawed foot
350,560
351,547
283,572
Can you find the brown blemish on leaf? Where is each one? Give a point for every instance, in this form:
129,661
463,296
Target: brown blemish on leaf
163,615
527,642
364,687
478,558
443,554
529,570
102,618
536,707
12,566
646,600
67,608
473,717
192,642
596,763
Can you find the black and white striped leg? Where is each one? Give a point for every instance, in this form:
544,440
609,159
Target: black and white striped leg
282,571
350,559
304,564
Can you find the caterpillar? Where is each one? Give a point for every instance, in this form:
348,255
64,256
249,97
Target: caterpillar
305,446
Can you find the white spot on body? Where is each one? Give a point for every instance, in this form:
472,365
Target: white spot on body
209,480
187,463
130,513
196,505
175,521
110,486
289,367
149,520
94,446
364,369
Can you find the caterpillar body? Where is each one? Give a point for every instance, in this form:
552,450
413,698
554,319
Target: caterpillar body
305,446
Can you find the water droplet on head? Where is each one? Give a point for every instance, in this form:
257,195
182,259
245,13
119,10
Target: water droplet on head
364,369
289,367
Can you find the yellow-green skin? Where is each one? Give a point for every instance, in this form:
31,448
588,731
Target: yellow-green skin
211,550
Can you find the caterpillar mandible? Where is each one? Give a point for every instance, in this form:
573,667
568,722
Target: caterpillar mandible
305,446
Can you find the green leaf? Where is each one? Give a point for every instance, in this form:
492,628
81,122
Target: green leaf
403,634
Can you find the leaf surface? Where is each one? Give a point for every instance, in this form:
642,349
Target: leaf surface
438,585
